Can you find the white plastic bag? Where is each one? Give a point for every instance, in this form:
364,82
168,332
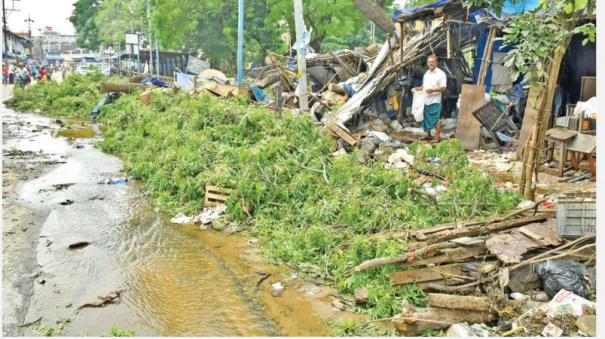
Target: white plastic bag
418,105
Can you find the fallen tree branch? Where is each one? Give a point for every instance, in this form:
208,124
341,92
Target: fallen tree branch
109,299
417,254
458,288
263,278
30,323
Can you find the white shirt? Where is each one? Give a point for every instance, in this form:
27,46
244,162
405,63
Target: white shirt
432,80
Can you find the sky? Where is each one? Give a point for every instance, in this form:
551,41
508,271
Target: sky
52,13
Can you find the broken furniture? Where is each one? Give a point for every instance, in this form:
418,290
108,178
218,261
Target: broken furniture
494,121
583,145
558,137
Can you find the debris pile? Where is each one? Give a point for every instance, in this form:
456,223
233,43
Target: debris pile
493,273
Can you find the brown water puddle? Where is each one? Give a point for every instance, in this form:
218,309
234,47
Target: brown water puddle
83,132
303,309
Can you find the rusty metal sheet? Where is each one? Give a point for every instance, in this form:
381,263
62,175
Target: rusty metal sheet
510,247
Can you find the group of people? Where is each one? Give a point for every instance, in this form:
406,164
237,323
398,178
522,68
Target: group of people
24,73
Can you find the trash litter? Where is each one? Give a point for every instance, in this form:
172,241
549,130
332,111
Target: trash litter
551,330
588,325
180,218
77,245
566,302
115,181
278,289
563,274
525,204
400,159
209,214
259,94
466,330
379,135
66,202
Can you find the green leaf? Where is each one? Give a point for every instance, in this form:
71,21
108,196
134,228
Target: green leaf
581,4
569,8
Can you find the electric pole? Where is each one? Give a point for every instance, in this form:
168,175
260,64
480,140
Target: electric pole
240,43
150,40
29,25
301,47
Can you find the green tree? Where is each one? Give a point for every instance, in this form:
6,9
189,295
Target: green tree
83,19
116,17
338,18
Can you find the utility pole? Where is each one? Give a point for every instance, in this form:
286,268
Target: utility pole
300,56
29,25
157,54
240,43
150,40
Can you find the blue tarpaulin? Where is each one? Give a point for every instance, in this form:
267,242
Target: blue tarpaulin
509,9
155,81
407,11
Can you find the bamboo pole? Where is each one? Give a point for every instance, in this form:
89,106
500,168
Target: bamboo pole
542,120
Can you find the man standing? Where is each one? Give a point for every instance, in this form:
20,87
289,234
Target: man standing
433,83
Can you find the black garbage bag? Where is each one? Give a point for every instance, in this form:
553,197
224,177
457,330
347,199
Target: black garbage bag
563,274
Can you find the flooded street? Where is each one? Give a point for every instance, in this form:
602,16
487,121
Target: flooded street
133,270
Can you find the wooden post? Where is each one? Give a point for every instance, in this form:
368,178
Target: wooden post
400,42
539,130
390,54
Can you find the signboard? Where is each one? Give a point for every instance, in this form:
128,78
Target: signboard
132,39
195,65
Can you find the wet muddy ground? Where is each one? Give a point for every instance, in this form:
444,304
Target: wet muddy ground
133,269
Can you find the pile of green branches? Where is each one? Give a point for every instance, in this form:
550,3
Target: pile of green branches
312,210
75,96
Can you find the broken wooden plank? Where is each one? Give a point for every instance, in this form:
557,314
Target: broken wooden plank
529,119
215,195
455,255
342,132
439,287
413,323
458,302
511,247
425,274
487,229
343,64
468,128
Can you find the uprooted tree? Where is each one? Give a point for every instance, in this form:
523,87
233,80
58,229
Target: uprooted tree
540,39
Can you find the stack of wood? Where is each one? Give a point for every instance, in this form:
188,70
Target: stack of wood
466,260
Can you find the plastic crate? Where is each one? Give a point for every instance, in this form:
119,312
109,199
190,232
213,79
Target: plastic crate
576,217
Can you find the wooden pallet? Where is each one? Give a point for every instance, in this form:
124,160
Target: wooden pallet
216,195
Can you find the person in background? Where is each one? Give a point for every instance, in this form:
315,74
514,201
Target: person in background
12,69
42,74
433,83
4,73
34,71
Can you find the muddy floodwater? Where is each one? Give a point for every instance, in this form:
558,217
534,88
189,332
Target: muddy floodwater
133,270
